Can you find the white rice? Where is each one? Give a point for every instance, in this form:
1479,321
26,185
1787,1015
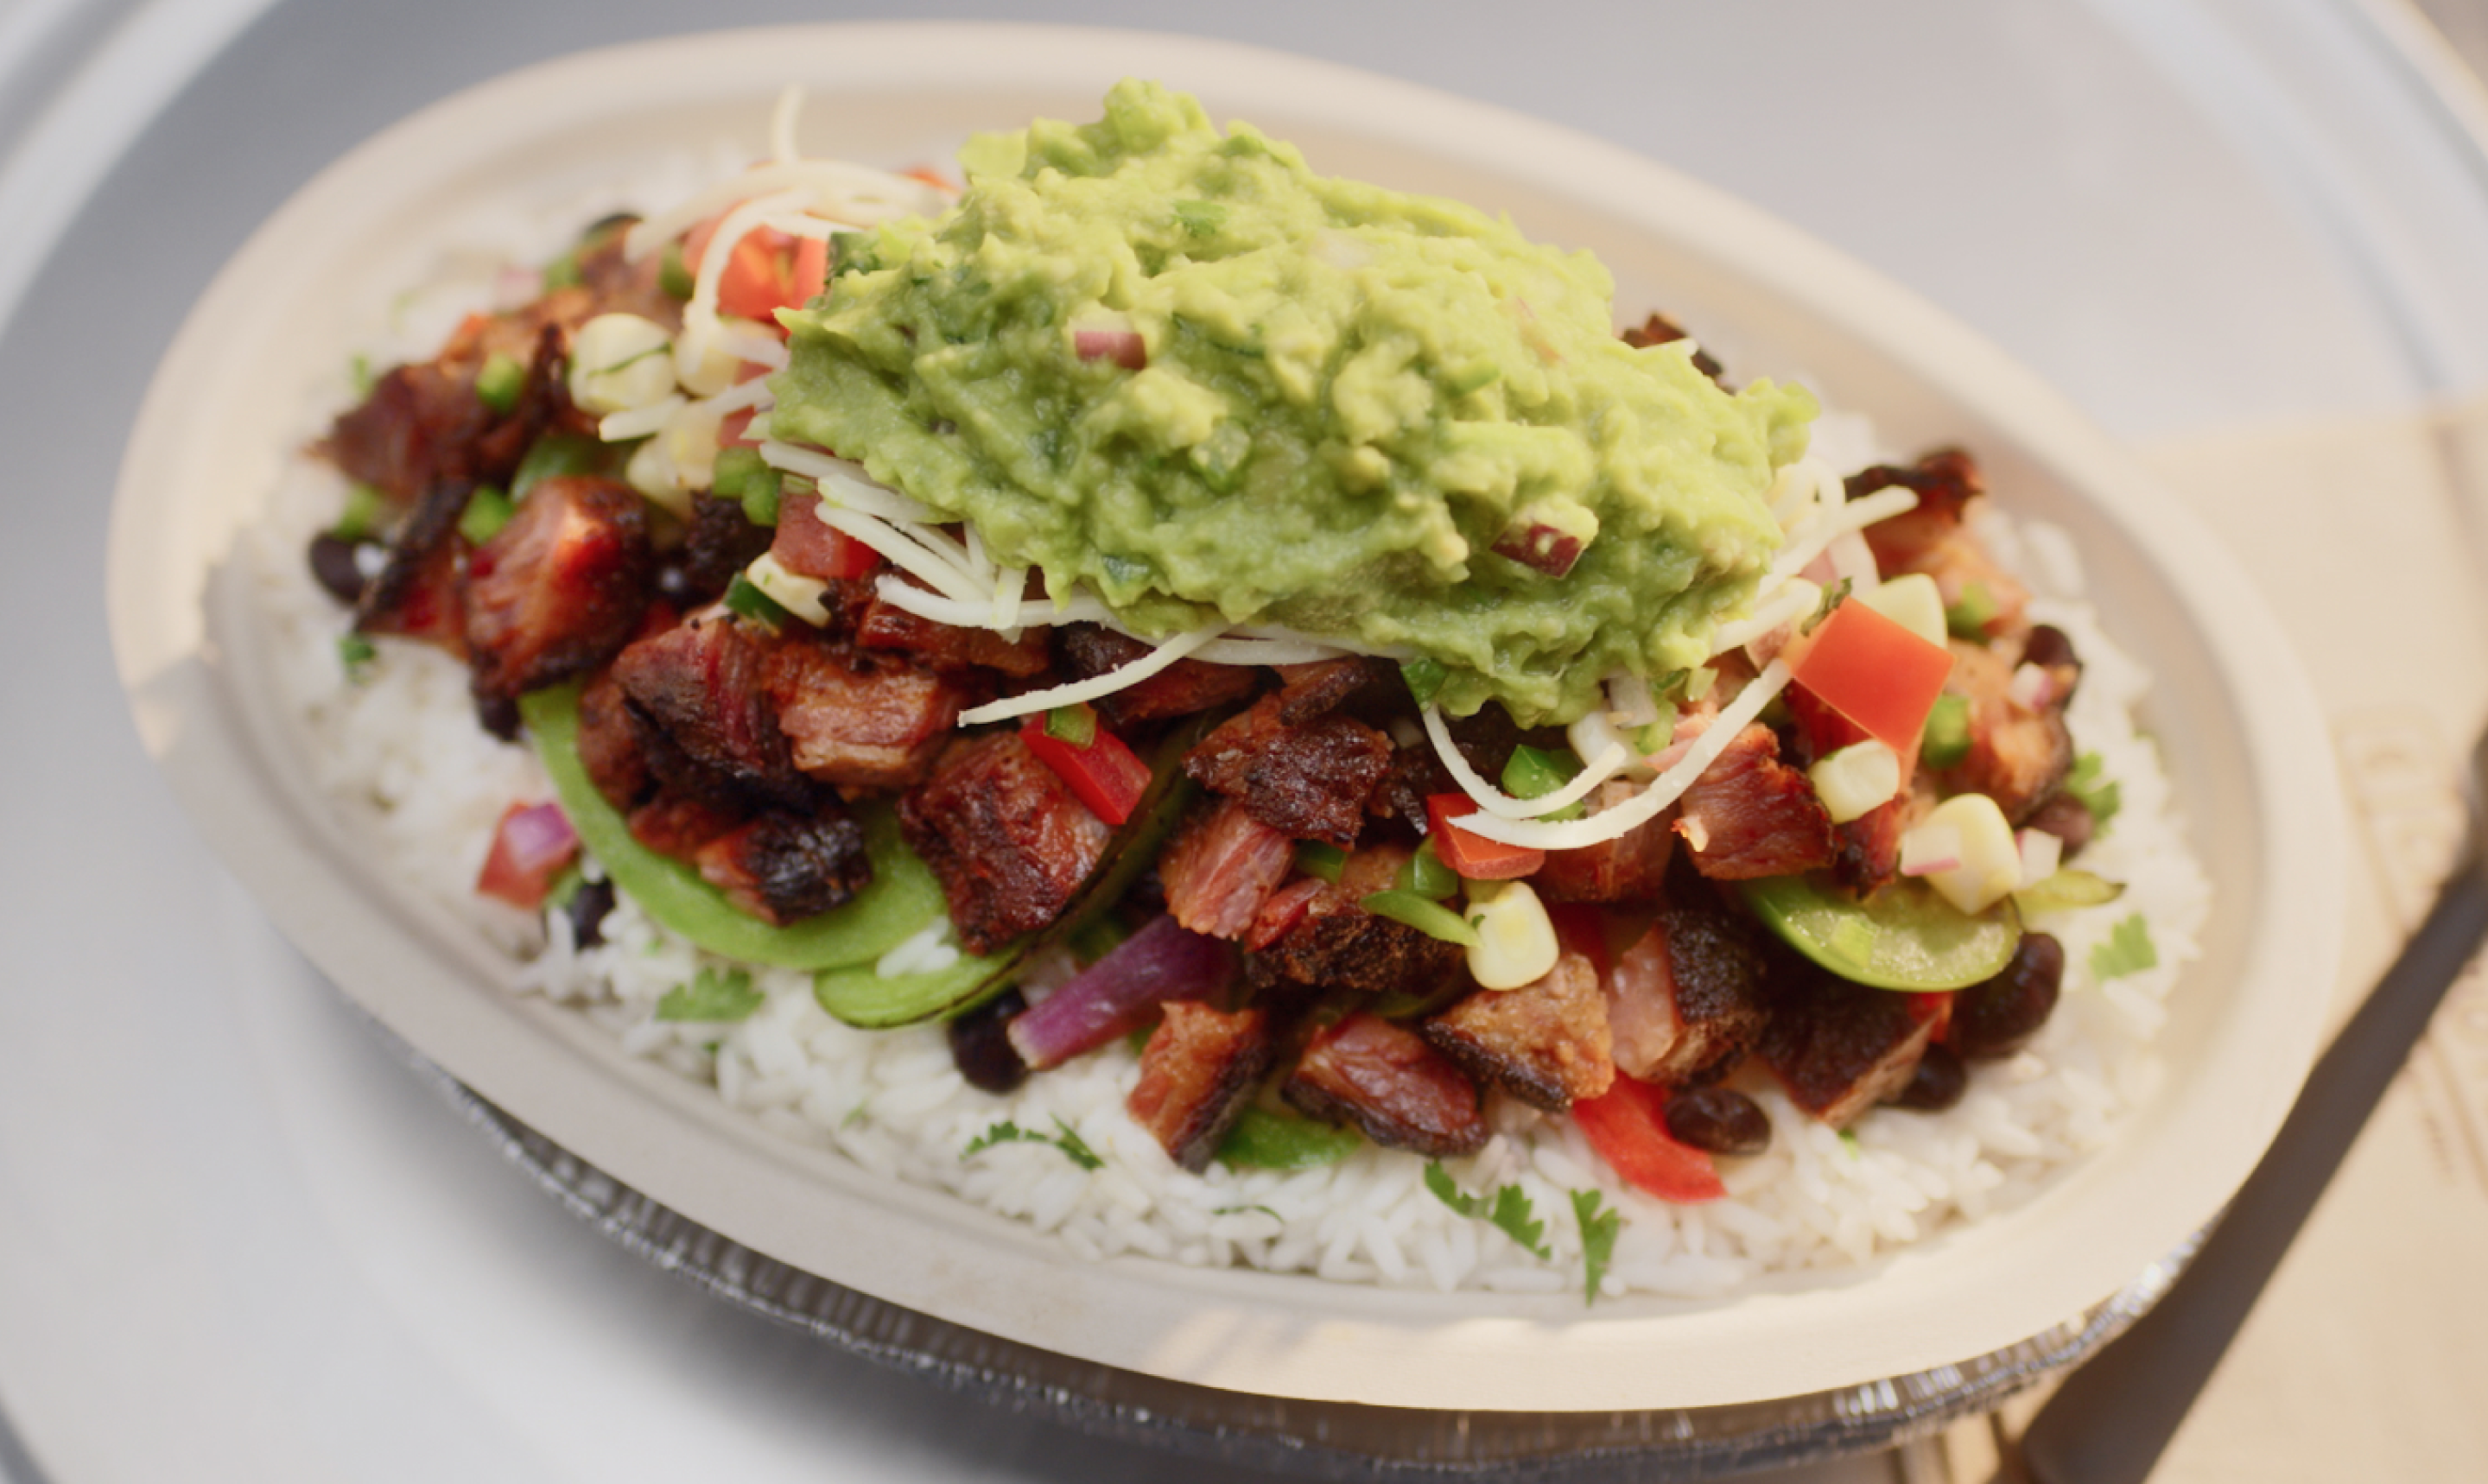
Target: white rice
400,749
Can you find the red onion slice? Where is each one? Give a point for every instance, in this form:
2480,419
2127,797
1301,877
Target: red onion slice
1117,994
1125,348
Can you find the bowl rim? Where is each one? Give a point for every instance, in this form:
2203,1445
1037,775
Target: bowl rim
172,609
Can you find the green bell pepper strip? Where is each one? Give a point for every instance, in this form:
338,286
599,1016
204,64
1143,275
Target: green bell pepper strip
901,899
1904,936
1265,1140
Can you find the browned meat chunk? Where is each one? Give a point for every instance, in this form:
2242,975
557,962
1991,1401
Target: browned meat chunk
1307,692
1337,944
1403,1093
1751,815
706,725
1309,782
1840,1048
1286,908
1544,1043
1222,867
678,825
1009,841
1945,480
784,867
1866,850
1630,868
1180,690
1687,1000
415,594
856,720
607,745
1659,330
2018,756
720,542
558,590
1198,1075
412,431
945,648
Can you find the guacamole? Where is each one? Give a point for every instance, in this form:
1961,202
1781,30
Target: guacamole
1177,366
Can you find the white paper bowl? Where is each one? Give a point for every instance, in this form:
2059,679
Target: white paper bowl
2243,739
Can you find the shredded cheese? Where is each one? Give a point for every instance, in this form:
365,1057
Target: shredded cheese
1093,688
1854,516
1644,806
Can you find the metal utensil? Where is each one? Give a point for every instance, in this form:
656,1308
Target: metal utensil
2110,1420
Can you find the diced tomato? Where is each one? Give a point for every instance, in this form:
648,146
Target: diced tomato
1875,672
812,269
808,547
1106,776
1627,1126
1475,857
760,278
531,847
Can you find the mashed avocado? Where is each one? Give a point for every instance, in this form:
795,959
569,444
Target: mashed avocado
1349,396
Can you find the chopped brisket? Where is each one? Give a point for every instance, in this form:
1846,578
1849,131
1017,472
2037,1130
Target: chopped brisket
558,590
2018,756
1546,1042
883,625
783,867
1945,480
412,431
1009,841
1198,1075
1686,1001
1337,944
1309,782
609,745
1659,330
705,720
1180,690
1223,865
415,594
719,542
1630,868
857,720
1403,1093
1282,912
1840,1048
678,825
1353,683
1750,815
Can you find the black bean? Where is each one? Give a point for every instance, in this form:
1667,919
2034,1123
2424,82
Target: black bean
2068,819
587,907
1939,1082
2048,645
980,1044
1997,1018
674,585
497,714
1717,1119
335,563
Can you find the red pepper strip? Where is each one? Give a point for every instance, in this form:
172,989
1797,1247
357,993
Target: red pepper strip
1875,672
1476,858
531,847
812,269
1104,775
1627,1126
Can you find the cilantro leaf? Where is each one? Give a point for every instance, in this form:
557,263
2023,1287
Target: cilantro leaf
1509,1212
2129,950
1073,1146
712,996
1832,597
2096,792
1599,1230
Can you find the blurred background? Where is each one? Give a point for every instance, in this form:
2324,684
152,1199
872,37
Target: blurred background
2245,236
